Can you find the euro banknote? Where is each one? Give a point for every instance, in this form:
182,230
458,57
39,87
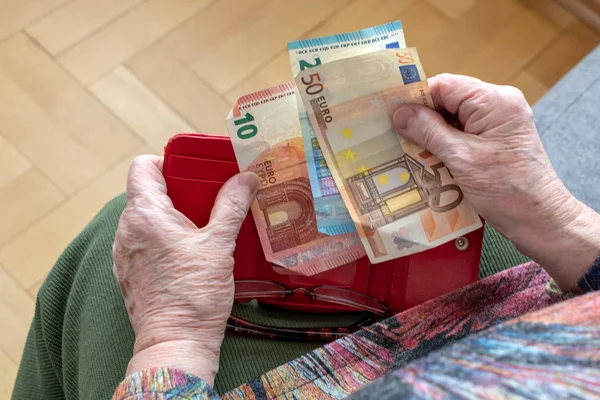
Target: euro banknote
265,133
332,216
402,199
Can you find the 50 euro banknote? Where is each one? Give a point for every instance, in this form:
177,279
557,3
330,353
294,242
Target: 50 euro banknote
265,133
402,199
332,215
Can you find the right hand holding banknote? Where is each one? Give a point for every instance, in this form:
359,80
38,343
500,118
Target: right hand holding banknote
500,164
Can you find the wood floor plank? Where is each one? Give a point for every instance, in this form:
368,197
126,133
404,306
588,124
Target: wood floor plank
73,108
36,135
244,52
423,23
24,200
33,290
276,72
75,20
532,88
209,29
54,232
101,52
551,10
181,89
356,15
16,313
140,108
507,53
558,59
17,14
8,373
468,34
12,163
453,8
361,14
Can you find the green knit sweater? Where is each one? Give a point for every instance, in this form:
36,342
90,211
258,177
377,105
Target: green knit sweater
80,339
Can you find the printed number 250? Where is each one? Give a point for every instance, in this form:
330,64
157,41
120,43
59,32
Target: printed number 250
246,131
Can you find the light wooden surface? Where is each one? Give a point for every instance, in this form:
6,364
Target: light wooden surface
85,85
587,10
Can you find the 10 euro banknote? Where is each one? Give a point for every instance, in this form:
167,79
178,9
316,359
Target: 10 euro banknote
402,199
332,215
265,133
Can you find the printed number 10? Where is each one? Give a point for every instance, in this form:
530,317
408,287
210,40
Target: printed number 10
246,131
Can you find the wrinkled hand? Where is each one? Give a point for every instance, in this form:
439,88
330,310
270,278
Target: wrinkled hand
500,164
176,279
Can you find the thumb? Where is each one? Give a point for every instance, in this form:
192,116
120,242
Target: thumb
232,204
427,128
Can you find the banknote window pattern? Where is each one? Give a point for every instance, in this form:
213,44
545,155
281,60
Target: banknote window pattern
390,191
289,212
326,183
328,186
323,173
316,148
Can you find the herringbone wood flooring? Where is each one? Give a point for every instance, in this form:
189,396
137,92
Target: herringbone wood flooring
85,85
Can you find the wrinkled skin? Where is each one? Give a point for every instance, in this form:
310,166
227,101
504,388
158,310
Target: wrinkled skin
500,164
176,279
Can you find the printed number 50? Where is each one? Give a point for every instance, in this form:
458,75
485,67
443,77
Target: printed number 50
246,131
405,58
313,87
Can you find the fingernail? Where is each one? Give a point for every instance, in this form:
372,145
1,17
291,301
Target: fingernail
402,116
249,179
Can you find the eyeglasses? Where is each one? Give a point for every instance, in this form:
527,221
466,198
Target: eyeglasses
268,290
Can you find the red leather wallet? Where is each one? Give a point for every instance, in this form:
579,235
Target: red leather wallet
197,165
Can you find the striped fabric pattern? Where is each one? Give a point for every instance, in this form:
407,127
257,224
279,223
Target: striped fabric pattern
509,335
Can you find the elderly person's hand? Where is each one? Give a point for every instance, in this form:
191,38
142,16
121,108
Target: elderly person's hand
500,164
177,279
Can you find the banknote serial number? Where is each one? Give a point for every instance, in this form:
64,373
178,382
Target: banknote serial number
313,87
353,43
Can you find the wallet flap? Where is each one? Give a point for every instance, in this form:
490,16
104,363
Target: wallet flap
199,145
201,168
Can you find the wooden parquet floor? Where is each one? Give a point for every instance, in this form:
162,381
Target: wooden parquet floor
85,85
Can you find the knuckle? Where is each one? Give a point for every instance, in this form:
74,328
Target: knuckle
515,93
136,163
444,76
444,79
478,99
130,230
515,102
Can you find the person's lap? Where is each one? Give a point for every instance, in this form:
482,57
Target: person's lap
81,340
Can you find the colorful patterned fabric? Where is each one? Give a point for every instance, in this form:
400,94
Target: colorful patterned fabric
163,383
553,353
498,360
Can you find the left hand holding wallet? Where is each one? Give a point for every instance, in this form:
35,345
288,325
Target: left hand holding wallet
161,257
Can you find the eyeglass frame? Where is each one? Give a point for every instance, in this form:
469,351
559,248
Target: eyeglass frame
237,324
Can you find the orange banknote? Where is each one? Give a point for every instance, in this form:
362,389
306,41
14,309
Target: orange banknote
402,199
265,132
